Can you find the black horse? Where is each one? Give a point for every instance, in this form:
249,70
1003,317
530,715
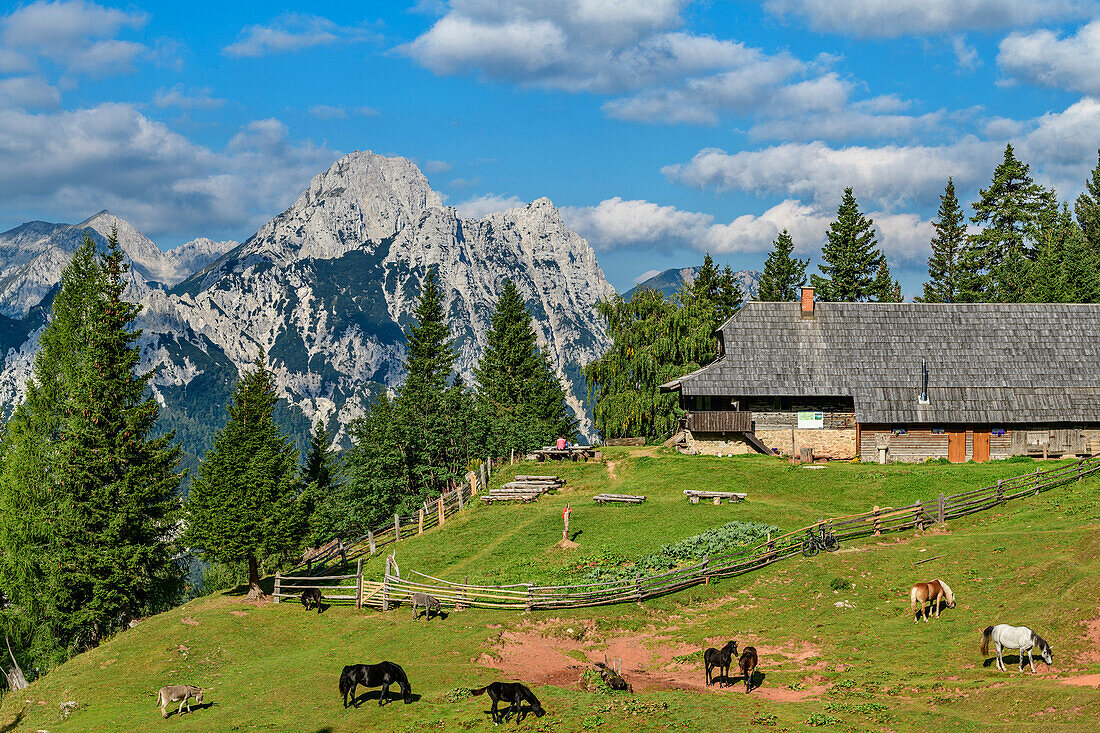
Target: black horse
312,595
514,693
720,659
373,675
746,666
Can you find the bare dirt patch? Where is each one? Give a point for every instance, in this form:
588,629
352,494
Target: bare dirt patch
1092,634
647,661
189,621
1087,680
611,470
239,613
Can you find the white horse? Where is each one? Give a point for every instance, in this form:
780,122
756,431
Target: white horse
1004,636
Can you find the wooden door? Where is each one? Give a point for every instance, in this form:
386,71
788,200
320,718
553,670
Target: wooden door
956,446
981,446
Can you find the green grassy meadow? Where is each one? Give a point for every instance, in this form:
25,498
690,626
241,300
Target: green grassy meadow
857,666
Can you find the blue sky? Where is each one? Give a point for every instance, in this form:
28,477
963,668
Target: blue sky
661,128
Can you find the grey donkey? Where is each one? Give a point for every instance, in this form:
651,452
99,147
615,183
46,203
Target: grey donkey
428,602
173,693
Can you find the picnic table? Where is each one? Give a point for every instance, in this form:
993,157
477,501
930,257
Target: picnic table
571,453
619,498
694,495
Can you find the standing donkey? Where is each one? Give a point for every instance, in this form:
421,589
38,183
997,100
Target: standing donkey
922,593
177,693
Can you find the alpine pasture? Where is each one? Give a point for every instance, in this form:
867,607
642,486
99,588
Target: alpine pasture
837,645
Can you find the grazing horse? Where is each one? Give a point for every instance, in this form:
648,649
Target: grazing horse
921,593
746,666
373,675
1004,636
720,659
429,603
514,693
312,595
177,693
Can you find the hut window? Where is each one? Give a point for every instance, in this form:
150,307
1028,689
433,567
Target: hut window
938,431
998,431
899,431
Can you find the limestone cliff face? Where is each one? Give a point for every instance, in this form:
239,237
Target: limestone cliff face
326,288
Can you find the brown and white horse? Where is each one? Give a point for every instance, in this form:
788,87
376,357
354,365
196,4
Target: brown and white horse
933,591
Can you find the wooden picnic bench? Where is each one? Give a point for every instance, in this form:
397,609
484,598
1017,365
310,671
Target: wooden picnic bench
694,495
572,453
619,498
509,496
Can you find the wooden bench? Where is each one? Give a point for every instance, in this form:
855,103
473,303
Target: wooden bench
510,496
694,495
572,453
619,498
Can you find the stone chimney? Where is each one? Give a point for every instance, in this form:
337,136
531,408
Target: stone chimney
807,302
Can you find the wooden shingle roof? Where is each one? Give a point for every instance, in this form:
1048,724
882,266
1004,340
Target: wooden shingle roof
987,362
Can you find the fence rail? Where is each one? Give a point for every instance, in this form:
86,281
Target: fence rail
394,590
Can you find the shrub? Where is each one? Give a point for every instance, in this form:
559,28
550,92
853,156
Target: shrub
840,584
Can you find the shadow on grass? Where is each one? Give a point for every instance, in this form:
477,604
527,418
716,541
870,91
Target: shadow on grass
1010,661
377,694
194,709
15,723
506,712
267,585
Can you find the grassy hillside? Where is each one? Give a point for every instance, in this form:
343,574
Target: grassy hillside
860,665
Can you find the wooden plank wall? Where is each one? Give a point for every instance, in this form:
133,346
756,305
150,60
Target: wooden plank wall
919,444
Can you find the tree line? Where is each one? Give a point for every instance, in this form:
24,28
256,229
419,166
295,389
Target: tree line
1019,245
94,530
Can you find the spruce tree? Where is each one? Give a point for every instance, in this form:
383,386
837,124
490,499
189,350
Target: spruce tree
952,277
376,478
718,287
851,259
783,274
1087,208
886,288
1009,212
320,482
242,505
518,393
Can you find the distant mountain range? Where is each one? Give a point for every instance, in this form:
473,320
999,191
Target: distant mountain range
326,288
670,281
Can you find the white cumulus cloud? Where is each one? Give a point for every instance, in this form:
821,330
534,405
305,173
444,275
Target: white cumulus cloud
292,32
481,206
1045,58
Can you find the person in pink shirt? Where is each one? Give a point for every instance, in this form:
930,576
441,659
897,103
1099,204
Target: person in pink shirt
562,443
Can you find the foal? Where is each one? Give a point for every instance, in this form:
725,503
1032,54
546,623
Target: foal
746,665
921,593
429,603
373,675
720,659
312,595
514,693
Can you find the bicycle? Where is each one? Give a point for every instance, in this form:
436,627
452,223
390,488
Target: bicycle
821,540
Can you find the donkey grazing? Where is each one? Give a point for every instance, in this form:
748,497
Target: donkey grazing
514,693
1004,636
921,593
173,693
373,675
746,666
429,603
720,659
312,595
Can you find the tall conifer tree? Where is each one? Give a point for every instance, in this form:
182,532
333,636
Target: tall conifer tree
1008,211
783,274
519,394
242,506
1087,208
952,275
851,258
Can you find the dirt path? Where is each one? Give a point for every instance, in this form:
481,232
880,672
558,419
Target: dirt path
611,470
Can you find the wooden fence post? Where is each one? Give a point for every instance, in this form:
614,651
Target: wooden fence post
1038,472
459,492
420,525
1080,471
918,516
638,588
530,596
396,527
278,584
370,538
488,466
386,587
359,583
483,477
473,484
878,522
940,515
442,514
1000,491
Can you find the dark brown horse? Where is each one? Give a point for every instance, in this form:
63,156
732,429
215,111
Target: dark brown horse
746,665
312,596
933,591
719,660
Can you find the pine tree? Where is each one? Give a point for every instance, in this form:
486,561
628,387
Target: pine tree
1009,212
320,483
718,287
1065,267
886,288
851,258
242,505
376,479
1087,208
518,393
783,274
952,277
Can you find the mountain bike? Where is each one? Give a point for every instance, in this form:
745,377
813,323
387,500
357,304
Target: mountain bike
820,540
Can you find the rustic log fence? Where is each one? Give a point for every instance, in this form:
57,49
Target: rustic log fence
921,514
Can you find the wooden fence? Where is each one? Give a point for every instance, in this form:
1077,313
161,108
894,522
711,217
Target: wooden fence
527,596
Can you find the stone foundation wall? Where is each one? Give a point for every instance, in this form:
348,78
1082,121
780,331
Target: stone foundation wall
833,444
711,444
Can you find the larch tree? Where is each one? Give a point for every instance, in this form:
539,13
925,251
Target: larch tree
783,274
243,504
851,258
519,395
